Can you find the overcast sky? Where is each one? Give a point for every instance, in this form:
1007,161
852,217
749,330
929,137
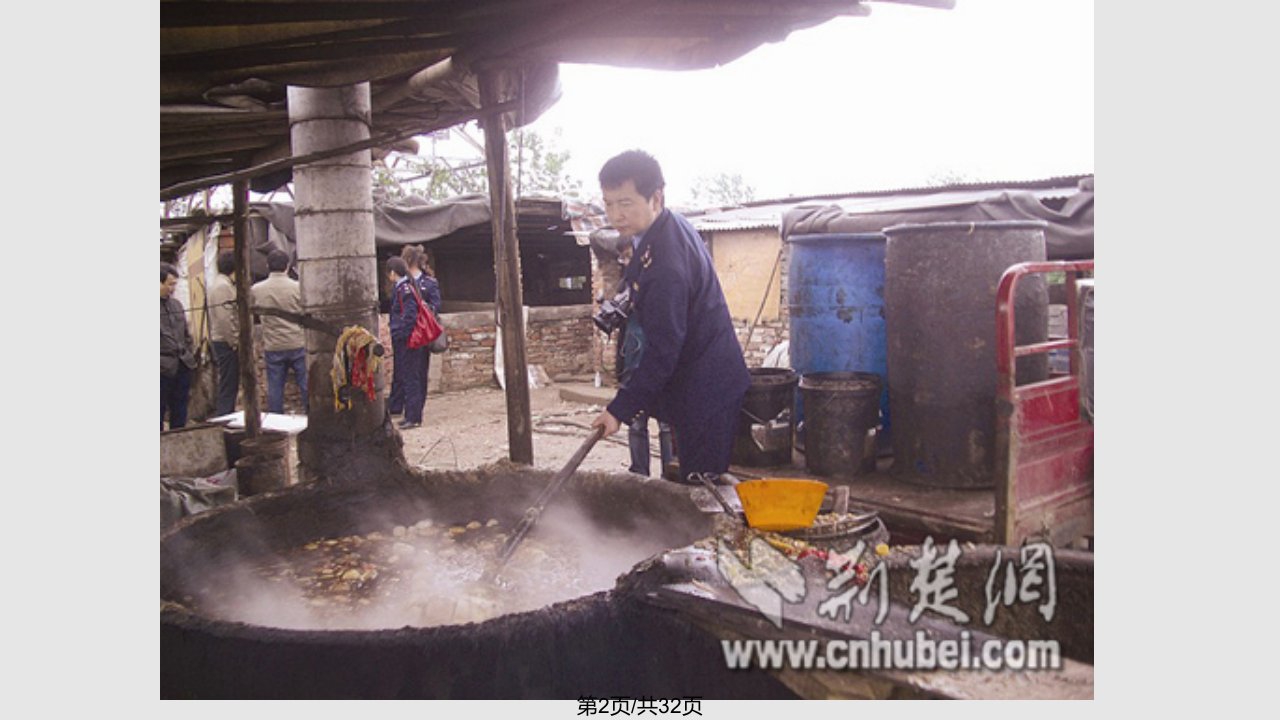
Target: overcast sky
989,90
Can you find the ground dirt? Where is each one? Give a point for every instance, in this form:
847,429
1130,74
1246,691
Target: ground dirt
468,428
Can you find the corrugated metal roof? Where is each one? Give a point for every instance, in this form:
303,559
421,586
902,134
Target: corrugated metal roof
762,223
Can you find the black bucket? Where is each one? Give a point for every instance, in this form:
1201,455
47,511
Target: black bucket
262,472
764,424
841,411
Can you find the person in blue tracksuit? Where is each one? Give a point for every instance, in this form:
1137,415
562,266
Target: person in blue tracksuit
415,258
691,373
407,373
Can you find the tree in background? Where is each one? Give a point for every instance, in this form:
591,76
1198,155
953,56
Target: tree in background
540,166
722,190
452,164
455,165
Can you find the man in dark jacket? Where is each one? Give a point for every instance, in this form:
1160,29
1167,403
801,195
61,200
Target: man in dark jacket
691,373
176,356
224,332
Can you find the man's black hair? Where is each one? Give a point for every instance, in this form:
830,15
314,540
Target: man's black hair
277,261
166,270
226,262
637,166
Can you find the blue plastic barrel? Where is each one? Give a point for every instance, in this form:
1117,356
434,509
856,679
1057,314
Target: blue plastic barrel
835,297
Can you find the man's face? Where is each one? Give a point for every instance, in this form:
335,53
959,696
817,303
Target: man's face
167,286
629,212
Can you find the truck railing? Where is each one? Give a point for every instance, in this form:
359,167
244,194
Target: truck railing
1044,446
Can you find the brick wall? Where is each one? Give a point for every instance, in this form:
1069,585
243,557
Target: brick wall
560,339
764,338
469,362
606,274
557,338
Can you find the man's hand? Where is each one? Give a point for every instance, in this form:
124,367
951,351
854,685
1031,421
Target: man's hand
606,421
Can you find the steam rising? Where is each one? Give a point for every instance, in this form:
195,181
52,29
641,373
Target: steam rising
429,575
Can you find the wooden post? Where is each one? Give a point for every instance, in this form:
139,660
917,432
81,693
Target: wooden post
244,276
506,267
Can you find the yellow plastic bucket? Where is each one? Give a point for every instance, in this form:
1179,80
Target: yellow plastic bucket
781,503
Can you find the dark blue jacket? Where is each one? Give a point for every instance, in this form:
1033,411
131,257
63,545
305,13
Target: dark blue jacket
430,290
404,310
691,369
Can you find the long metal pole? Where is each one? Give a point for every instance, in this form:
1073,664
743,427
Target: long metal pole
535,511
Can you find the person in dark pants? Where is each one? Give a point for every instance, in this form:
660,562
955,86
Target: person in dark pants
395,396
408,364
691,372
177,359
224,332
284,342
415,258
630,347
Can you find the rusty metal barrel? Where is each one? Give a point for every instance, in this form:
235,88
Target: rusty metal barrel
940,307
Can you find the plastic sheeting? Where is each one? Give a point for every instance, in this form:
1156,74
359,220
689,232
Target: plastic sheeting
180,497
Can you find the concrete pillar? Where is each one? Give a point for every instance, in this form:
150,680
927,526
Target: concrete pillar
337,266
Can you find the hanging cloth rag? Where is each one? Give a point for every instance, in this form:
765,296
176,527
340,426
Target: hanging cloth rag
355,365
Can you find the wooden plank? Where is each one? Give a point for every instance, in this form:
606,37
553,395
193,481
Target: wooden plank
909,511
244,273
506,267
912,512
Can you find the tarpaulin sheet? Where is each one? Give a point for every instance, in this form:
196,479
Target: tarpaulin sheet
1069,235
411,220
